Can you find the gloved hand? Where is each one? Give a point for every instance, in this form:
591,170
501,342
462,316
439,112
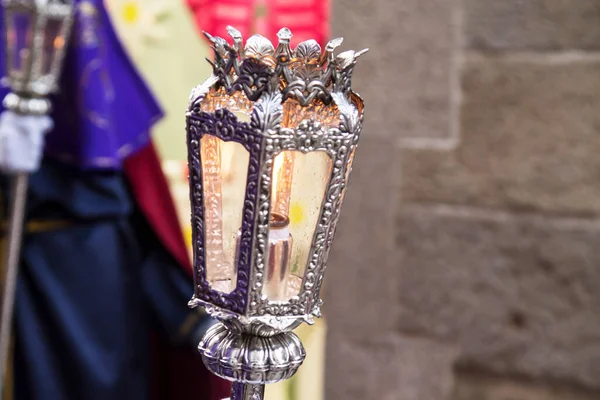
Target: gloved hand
22,141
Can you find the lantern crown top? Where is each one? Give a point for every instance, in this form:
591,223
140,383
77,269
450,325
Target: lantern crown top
306,73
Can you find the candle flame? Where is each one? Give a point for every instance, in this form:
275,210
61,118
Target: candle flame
283,166
59,42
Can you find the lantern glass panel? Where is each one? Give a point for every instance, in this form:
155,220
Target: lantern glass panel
294,113
297,192
237,103
224,172
19,35
54,42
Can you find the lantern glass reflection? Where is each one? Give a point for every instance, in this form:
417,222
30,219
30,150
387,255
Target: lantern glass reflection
294,113
224,173
237,103
224,170
298,188
19,35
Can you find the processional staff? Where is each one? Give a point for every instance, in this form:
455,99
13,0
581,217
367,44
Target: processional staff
35,33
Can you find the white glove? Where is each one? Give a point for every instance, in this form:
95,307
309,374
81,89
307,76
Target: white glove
22,141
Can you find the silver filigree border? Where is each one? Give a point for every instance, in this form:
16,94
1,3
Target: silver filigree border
338,143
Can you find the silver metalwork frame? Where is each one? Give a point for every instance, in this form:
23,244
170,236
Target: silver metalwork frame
254,328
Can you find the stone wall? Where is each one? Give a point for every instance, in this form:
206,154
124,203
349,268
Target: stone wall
467,262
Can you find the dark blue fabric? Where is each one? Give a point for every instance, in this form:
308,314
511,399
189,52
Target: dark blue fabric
89,294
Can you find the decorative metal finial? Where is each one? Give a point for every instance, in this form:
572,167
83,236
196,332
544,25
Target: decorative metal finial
237,39
284,34
329,49
283,54
259,65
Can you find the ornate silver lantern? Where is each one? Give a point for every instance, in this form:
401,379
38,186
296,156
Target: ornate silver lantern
271,137
36,33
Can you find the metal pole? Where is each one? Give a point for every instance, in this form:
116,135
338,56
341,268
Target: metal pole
247,391
12,256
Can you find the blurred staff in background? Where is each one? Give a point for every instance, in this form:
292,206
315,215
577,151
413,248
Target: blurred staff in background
101,303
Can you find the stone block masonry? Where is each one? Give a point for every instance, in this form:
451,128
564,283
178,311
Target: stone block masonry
467,260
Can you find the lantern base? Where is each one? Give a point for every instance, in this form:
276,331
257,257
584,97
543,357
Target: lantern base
249,359
27,105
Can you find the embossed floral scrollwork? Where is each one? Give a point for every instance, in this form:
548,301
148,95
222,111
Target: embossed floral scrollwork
305,74
225,125
298,100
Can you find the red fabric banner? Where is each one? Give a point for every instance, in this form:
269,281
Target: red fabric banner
307,19
213,16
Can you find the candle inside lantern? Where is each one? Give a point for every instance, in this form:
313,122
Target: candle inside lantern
280,239
294,214
279,260
278,267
